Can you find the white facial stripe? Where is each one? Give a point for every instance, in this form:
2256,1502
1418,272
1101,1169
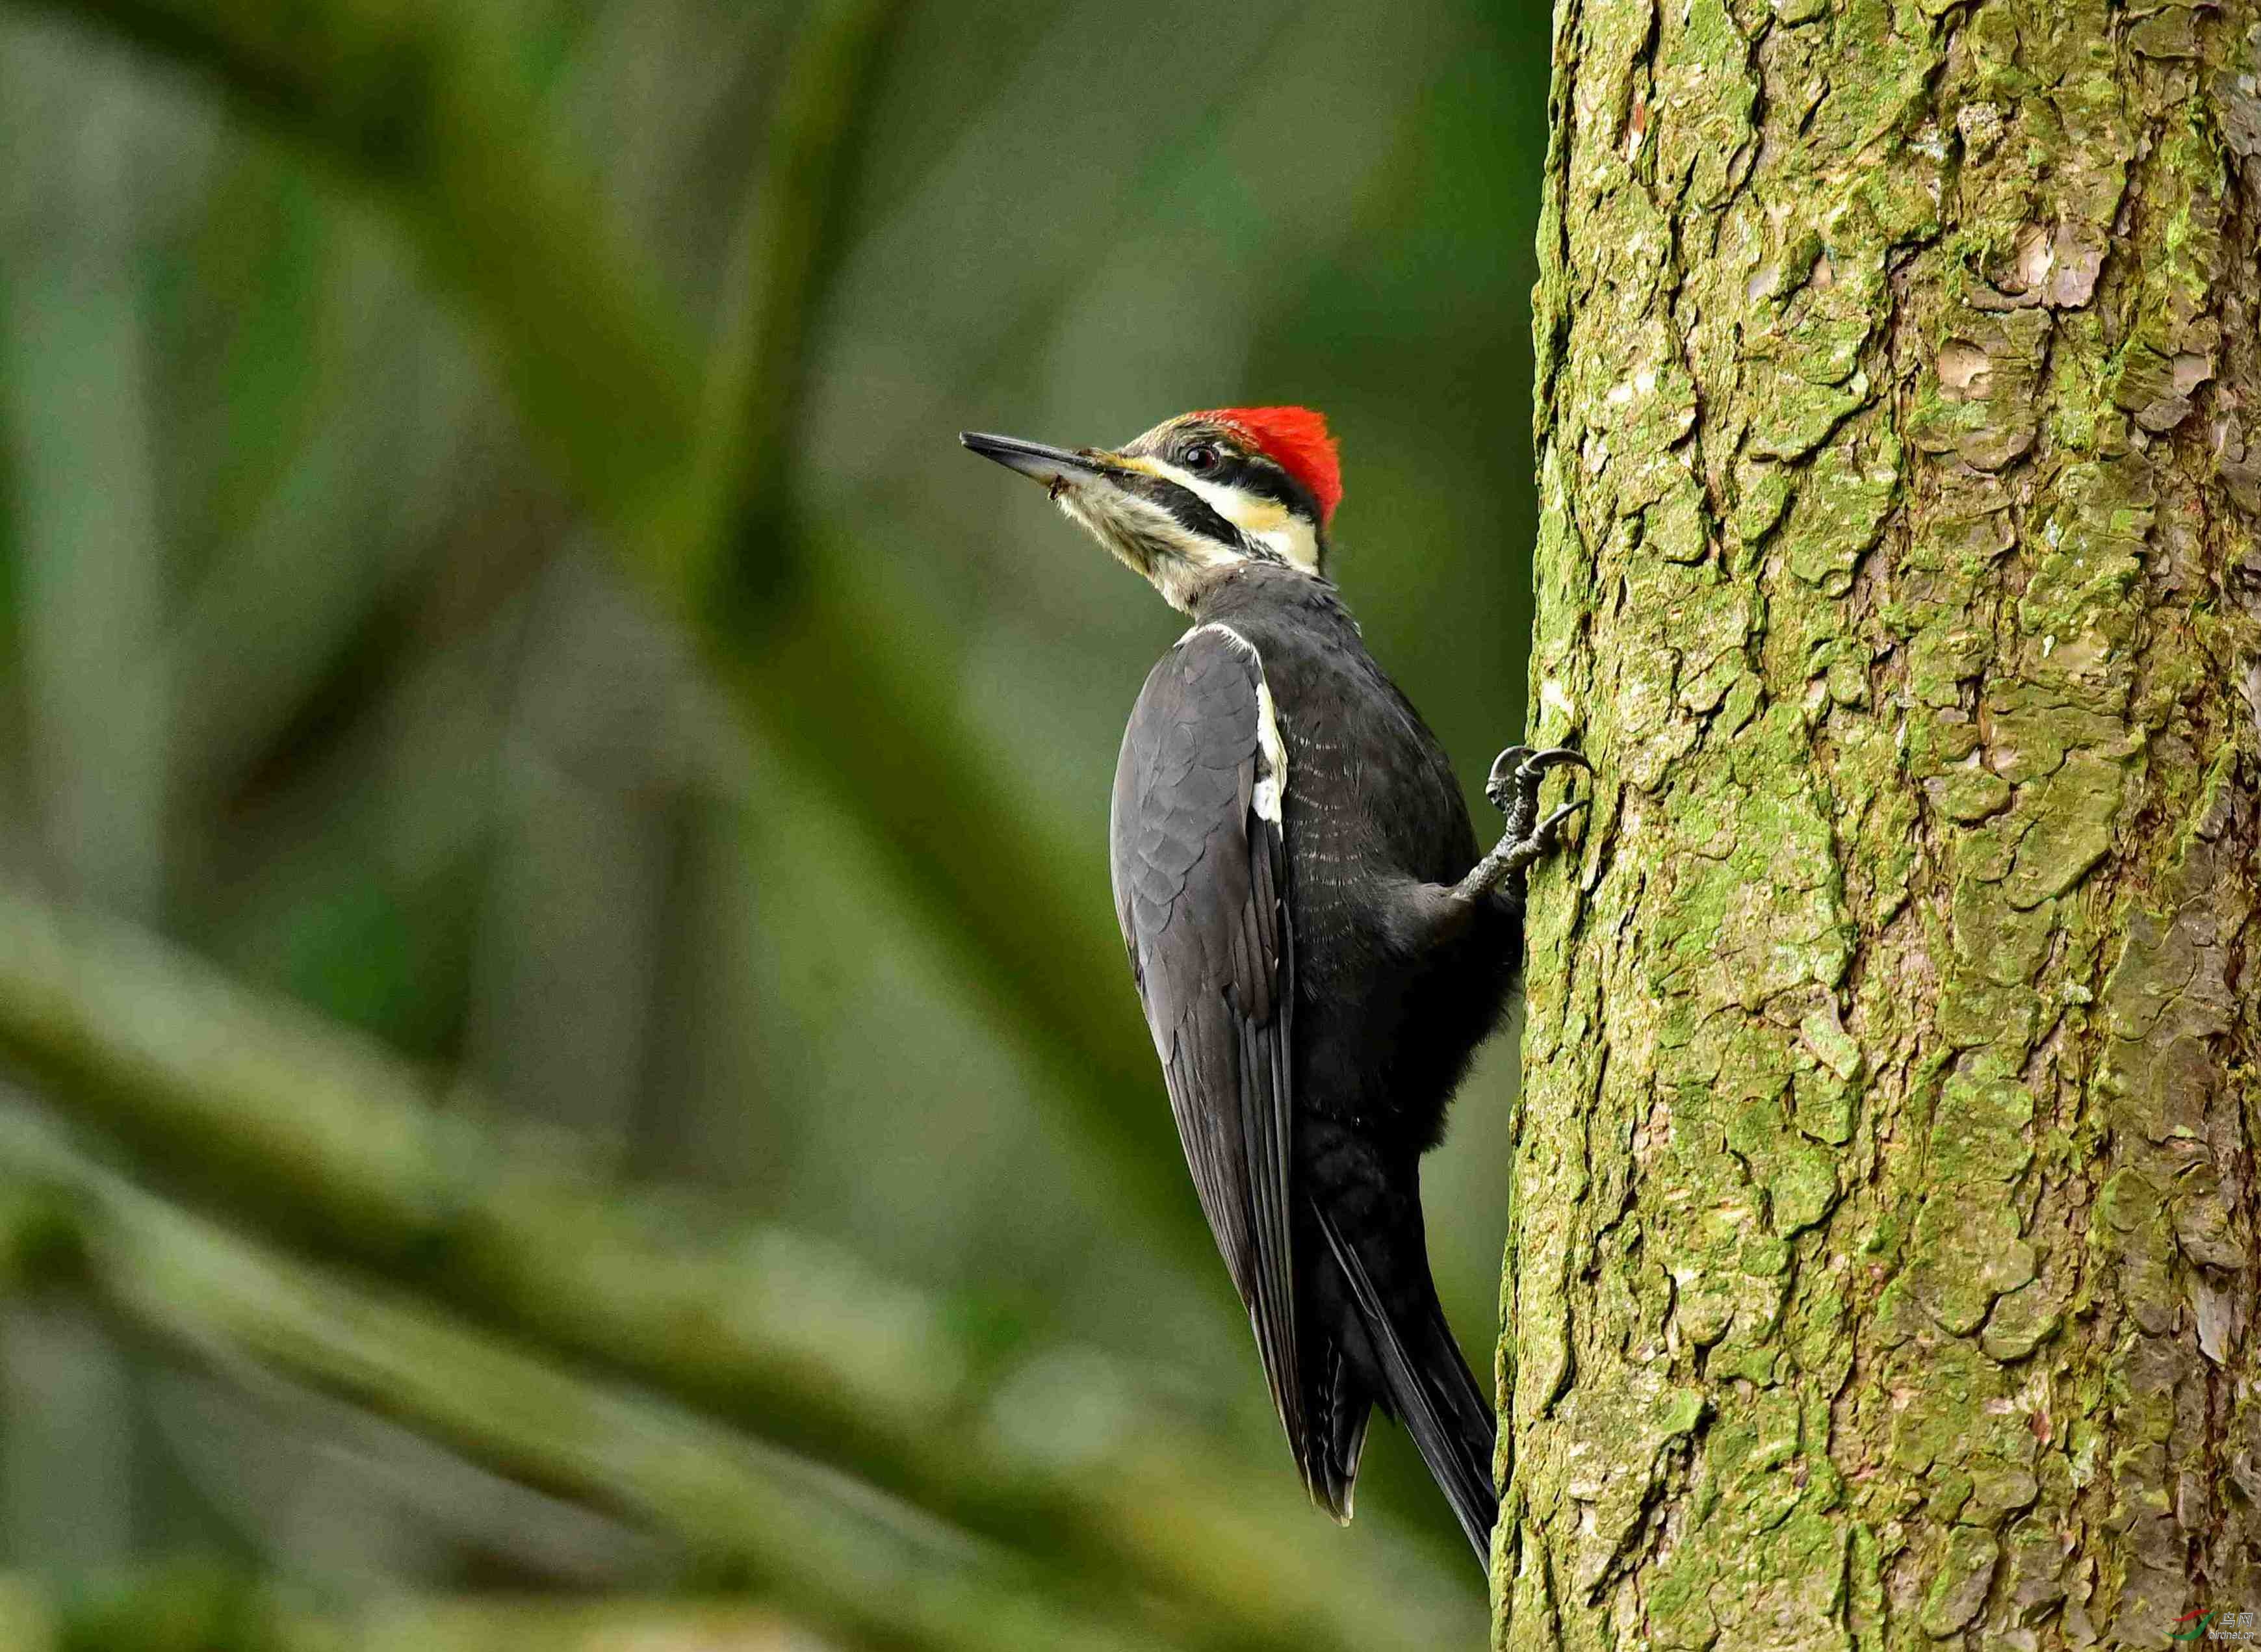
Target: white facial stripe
1272,773
1265,521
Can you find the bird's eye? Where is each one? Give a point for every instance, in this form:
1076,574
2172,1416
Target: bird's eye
1200,457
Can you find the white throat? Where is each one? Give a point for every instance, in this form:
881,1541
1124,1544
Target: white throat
1150,542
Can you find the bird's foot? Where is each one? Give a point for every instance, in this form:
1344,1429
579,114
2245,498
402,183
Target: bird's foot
1541,840
1517,774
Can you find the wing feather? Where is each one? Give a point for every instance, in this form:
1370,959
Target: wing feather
1200,888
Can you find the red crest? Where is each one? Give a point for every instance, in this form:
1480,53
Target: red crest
1296,439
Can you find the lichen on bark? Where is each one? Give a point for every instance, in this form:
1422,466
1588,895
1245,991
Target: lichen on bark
1882,1266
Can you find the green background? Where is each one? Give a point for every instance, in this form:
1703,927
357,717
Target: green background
315,658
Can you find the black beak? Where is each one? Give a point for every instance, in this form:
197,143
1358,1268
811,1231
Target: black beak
1052,466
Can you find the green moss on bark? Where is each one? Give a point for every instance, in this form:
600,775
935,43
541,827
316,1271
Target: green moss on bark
1891,1099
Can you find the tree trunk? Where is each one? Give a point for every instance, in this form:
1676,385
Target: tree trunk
1882,1271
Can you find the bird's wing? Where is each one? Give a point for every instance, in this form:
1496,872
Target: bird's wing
1201,888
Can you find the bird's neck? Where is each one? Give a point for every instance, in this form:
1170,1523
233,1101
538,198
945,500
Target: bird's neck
1265,587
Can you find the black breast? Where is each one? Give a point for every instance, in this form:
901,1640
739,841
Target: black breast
1372,809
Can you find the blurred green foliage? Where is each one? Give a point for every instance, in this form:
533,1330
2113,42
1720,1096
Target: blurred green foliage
484,554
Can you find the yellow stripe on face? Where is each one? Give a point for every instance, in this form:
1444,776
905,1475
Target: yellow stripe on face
1266,520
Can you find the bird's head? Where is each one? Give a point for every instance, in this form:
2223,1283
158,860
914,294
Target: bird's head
1197,496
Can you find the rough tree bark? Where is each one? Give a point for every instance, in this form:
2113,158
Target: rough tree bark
1883,1264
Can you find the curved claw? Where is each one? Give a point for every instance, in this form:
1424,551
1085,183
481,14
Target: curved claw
1505,765
1540,842
1554,757
1517,774
1552,826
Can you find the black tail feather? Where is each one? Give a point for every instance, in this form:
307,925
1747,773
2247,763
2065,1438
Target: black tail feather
1337,1435
1432,1393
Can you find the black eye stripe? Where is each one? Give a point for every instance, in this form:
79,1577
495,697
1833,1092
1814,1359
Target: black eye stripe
1266,479
1252,473
1193,513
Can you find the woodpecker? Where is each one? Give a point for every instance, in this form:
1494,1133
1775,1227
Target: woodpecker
1319,944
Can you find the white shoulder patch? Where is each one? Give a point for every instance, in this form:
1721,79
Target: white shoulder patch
1272,751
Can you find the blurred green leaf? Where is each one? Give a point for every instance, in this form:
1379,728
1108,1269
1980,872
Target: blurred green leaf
849,683
843,1557
318,1135
409,753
